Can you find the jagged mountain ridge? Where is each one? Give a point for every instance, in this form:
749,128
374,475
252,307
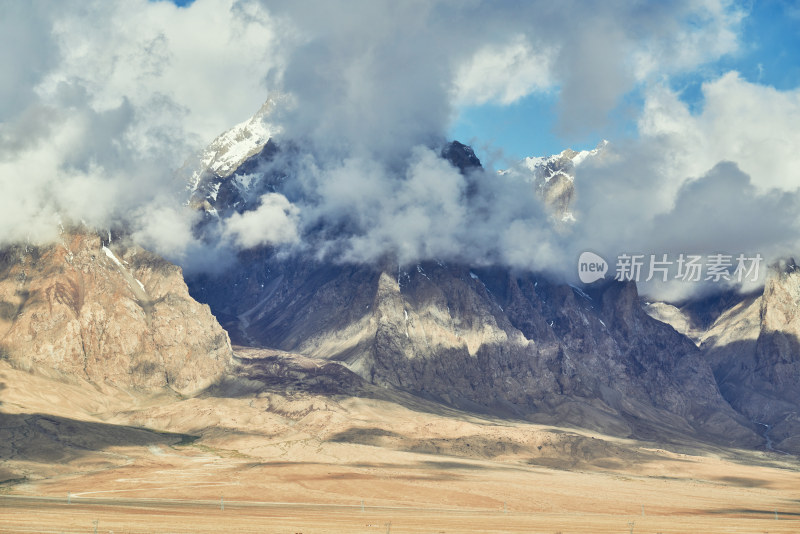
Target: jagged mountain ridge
486,338
481,338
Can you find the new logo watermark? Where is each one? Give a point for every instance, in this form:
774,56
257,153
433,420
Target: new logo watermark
663,267
591,267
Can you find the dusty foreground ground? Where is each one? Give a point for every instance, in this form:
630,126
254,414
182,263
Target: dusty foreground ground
281,456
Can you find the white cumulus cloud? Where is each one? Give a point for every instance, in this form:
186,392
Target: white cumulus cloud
273,222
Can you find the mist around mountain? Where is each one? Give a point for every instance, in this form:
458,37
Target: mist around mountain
414,273
480,334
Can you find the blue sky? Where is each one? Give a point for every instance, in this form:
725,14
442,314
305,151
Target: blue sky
769,54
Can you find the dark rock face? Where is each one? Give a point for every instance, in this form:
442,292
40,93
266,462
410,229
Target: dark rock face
484,339
111,314
461,156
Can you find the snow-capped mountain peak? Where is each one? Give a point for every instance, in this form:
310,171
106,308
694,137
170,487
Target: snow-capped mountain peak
553,177
564,163
230,149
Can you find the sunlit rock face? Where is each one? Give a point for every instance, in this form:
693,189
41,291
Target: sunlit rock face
106,312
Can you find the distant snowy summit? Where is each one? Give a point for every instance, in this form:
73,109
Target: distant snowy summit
544,169
553,177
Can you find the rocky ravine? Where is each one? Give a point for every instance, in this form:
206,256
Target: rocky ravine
754,348
111,314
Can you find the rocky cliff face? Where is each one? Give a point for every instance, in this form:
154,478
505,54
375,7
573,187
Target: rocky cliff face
112,314
512,343
754,348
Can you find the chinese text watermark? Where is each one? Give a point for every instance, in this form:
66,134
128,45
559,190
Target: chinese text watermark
665,267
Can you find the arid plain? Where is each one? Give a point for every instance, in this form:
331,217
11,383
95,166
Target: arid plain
279,454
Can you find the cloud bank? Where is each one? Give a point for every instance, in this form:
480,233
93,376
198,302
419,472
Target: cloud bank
104,102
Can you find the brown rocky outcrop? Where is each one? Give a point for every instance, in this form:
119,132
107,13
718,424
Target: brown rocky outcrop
113,314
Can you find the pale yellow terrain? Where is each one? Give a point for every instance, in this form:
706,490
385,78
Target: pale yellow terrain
284,459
